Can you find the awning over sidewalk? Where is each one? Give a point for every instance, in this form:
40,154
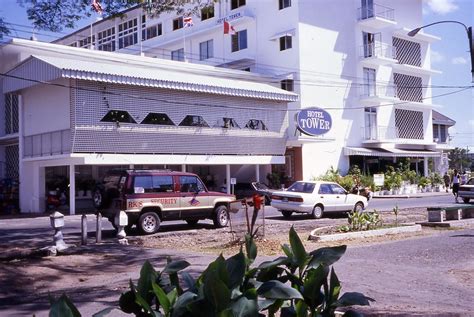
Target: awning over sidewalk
381,152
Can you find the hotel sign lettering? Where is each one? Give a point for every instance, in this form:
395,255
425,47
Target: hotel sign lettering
313,121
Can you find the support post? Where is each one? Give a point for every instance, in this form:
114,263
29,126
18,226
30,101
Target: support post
183,167
227,178
98,231
425,166
72,190
84,229
257,173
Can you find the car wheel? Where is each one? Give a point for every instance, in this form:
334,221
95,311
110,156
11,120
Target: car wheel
286,213
149,223
98,198
318,212
192,222
221,217
359,207
466,200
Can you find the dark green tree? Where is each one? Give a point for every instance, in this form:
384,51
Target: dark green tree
459,159
57,15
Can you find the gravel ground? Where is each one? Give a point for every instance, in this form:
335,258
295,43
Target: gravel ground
407,283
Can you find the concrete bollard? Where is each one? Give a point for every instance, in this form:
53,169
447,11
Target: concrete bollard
57,222
98,231
84,230
121,220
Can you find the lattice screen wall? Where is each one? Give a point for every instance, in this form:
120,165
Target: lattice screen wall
12,161
11,113
407,52
92,135
409,88
409,124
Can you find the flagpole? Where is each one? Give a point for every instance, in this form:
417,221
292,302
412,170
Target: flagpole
184,43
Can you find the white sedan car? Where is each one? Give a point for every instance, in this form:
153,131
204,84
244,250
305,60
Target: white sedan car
316,198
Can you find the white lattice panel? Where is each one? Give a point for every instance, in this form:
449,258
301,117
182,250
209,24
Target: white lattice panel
407,52
409,88
409,124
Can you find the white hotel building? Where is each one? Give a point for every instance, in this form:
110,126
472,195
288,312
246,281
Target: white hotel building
146,92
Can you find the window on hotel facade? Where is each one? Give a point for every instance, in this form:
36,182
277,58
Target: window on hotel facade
239,41
152,31
370,123
287,84
128,33
440,133
229,123
369,82
255,124
234,4
118,116
73,44
178,23
370,40
193,121
285,42
207,12
367,8
86,42
106,40
284,4
206,50
157,118
11,114
178,55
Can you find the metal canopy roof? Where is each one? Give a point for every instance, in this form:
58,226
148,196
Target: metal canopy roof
139,73
381,152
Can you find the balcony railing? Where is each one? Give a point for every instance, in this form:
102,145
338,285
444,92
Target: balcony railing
376,133
378,50
376,10
380,91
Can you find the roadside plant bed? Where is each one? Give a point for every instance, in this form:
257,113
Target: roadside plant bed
325,234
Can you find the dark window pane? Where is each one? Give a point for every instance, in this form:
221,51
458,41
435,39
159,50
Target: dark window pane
193,121
118,116
255,124
157,118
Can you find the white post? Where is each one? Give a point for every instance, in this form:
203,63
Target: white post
72,190
183,167
425,166
257,173
227,178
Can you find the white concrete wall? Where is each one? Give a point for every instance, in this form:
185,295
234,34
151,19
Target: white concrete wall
46,108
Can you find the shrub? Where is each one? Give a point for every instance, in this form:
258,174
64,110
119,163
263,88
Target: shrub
424,181
360,221
347,182
436,179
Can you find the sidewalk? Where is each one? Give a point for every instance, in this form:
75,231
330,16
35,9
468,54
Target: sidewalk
417,195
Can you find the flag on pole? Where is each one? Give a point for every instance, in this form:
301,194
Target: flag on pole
96,6
188,22
229,29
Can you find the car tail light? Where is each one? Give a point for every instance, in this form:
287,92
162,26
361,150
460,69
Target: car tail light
275,197
296,199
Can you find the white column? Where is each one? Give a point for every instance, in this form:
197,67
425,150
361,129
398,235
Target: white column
425,166
257,173
183,167
72,190
227,178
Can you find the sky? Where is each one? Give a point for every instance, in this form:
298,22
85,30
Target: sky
449,55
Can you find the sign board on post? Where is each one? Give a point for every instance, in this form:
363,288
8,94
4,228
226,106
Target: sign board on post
379,179
233,181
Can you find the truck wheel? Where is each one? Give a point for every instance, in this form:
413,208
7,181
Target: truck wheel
221,217
98,198
149,223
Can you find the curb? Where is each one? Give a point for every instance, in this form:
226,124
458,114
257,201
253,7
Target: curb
449,224
409,196
362,234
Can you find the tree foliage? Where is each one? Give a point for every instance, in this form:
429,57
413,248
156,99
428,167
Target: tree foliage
458,159
57,15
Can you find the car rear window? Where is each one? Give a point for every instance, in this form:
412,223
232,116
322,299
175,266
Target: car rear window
301,187
152,184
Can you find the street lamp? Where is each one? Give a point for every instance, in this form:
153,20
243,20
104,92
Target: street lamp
469,36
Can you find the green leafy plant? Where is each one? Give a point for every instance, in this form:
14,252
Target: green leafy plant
360,221
331,175
298,284
436,179
347,182
424,181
